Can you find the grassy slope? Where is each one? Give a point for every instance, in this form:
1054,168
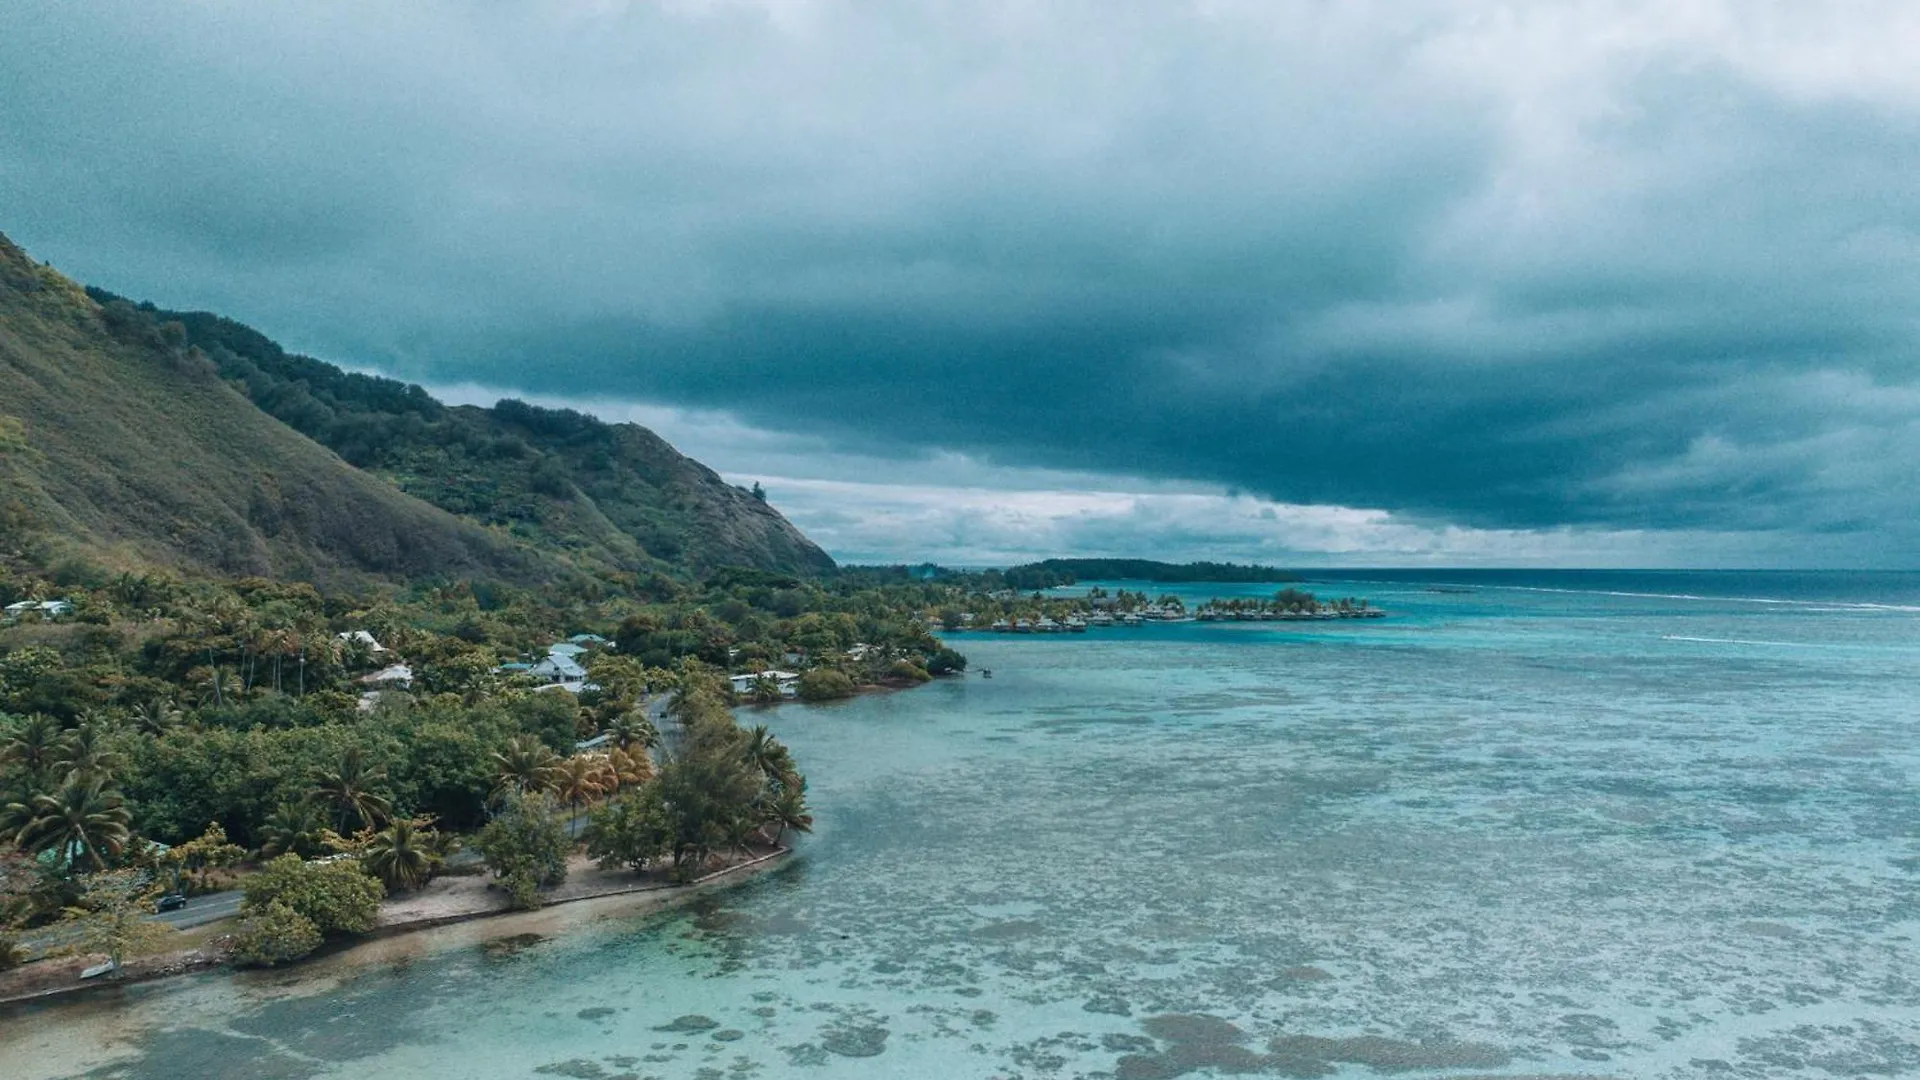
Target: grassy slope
125,447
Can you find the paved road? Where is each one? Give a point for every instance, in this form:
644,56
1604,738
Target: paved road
201,910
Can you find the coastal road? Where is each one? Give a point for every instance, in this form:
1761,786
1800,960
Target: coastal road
201,910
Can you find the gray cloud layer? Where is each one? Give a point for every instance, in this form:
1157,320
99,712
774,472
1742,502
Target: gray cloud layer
1628,265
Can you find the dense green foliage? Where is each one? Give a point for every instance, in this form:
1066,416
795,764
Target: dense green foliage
526,846
825,684
727,788
337,897
613,497
121,446
162,705
274,934
632,831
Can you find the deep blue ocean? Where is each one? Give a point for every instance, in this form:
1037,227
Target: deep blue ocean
1534,824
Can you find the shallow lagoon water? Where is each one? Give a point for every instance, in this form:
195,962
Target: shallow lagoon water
1509,832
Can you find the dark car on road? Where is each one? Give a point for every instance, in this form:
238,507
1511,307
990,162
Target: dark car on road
171,902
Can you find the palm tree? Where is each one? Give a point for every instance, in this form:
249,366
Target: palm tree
86,752
632,727
293,827
769,756
628,767
81,817
215,680
788,810
33,745
156,717
348,790
579,780
524,765
399,855
739,832
14,819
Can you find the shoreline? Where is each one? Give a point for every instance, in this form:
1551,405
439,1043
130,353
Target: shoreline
210,957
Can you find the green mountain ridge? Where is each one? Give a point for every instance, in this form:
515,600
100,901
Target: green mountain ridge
614,497
132,438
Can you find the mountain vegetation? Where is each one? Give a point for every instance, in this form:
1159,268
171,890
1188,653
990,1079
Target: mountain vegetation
122,447
137,439
612,497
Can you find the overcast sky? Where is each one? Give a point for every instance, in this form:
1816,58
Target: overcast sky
1593,283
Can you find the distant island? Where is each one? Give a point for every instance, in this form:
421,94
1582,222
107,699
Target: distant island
1049,573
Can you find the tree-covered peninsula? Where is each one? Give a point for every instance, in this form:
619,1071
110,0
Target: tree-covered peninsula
267,624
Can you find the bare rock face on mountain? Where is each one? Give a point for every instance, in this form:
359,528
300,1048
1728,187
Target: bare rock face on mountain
135,437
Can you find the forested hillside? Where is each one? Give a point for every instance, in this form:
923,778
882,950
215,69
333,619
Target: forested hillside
612,496
130,438
120,445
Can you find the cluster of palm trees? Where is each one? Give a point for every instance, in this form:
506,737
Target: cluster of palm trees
783,803
71,807
527,766
266,646
400,851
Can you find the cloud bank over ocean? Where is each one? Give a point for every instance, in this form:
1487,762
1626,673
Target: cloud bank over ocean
1419,281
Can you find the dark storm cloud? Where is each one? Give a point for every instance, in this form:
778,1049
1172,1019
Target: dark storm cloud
1631,266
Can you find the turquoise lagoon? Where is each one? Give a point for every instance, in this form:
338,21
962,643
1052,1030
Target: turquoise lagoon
1533,825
